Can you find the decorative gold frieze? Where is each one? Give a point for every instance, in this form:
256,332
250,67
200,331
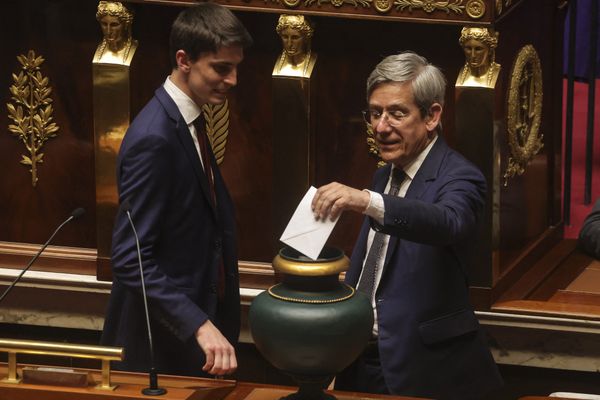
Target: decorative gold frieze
31,110
383,6
475,8
524,111
339,3
430,6
217,127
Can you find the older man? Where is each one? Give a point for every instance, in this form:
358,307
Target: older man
422,214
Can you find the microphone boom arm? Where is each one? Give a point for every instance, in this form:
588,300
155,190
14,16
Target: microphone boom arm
75,214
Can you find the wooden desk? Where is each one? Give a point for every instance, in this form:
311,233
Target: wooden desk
178,388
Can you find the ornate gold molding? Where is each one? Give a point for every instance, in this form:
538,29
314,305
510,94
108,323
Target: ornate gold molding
524,111
430,6
31,110
217,127
475,9
337,3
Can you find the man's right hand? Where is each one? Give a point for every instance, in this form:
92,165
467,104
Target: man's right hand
220,355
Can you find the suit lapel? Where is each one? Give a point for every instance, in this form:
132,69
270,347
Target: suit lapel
428,170
185,139
426,174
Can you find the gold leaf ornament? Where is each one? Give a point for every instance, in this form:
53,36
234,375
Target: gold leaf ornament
217,127
524,112
31,111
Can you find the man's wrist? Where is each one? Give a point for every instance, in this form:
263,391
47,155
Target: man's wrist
376,207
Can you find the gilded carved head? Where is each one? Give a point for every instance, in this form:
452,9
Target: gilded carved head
115,20
479,46
295,32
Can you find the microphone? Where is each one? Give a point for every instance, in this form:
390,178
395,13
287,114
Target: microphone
76,213
153,389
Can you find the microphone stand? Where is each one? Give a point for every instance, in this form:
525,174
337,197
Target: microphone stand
153,389
75,214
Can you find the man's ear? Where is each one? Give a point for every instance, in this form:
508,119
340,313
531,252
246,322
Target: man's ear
434,117
183,61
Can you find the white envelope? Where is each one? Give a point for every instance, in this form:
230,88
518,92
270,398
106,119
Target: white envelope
305,234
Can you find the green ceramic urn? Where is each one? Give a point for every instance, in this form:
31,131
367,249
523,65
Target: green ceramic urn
311,325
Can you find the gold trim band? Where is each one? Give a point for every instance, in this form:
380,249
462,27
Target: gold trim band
293,300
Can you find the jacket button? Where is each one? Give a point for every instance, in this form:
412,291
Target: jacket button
213,288
218,244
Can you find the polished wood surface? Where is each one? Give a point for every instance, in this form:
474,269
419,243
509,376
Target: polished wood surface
564,283
178,388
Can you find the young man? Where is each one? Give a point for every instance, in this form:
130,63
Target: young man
182,212
410,256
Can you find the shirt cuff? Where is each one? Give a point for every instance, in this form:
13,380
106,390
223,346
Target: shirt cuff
376,207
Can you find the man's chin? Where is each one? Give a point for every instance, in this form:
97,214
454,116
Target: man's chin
216,100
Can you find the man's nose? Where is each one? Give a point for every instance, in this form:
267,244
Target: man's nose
231,78
382,125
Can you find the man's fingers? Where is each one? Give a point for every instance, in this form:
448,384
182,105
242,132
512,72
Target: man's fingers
217,368
210,360
225,361
232,361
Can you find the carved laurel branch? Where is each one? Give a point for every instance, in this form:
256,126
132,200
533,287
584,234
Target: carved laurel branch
217,127
373,150
31,110
524,139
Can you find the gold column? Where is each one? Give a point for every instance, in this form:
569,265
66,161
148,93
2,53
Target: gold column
110,71
293,126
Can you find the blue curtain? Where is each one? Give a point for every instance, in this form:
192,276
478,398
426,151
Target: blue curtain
582,39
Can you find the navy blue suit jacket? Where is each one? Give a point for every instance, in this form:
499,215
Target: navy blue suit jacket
430,342
183,236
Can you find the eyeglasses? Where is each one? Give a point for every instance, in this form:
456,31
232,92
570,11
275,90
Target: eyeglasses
373,117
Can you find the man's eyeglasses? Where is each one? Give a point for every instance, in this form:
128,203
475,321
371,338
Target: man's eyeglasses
373,117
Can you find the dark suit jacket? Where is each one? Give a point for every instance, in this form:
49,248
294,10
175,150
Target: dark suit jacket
182,239
589,236
430,343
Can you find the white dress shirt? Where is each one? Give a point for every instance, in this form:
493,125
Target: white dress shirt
188,109
376,210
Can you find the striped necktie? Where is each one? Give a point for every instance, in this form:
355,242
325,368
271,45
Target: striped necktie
369,273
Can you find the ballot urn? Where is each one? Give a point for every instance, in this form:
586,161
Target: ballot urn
311,326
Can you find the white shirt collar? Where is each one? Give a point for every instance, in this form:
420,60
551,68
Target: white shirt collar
187,107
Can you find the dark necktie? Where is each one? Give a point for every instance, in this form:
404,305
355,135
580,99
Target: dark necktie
369,273
205,155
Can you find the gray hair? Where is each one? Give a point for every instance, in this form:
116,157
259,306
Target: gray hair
427,81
